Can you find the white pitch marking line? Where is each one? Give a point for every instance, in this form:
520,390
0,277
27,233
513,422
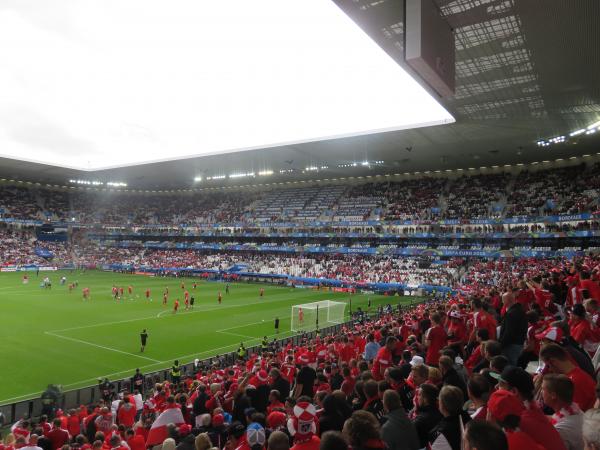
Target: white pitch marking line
241,326
77,383
100,346
238,335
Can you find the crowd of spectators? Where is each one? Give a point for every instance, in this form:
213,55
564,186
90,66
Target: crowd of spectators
511,364
476,196
567,190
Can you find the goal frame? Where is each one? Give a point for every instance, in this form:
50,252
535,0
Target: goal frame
316,307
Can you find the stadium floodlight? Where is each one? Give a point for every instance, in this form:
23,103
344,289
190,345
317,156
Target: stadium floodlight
94,84
594,125
197,179
317,315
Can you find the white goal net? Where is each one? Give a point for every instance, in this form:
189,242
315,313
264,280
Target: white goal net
310,316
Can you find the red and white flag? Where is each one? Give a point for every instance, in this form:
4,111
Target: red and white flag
158,432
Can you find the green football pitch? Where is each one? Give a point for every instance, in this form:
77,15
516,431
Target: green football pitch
54,336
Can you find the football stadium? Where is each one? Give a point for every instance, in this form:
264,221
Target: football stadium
316,225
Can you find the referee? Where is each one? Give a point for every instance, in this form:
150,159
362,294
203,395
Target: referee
143,339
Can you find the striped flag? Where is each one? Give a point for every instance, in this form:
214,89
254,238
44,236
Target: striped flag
158,432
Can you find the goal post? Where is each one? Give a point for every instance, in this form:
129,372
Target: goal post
317,315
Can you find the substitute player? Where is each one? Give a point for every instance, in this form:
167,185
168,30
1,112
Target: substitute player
175,306
143,339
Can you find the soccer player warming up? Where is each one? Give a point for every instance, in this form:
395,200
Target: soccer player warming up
143,339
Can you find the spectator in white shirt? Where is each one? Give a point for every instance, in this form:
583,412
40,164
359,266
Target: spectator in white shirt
557,392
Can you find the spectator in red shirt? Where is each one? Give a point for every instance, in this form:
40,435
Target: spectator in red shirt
73,423
557,360
435,340
482,320
591,286
533,421
58,436
135,441
581,330
505,409
126,413
384,358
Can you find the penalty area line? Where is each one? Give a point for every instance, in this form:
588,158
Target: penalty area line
78,384
79,341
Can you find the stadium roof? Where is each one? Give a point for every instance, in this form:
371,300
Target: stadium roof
526,72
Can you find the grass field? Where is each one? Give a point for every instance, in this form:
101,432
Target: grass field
53,336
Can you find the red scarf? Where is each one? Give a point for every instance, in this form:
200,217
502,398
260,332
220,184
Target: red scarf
570,410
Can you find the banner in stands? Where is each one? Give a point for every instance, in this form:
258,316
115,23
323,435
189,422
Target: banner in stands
334,224
28,268
404,251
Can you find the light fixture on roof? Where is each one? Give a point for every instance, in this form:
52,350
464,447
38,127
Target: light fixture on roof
216,177
198,178
594,125
577,132
264,173
241,175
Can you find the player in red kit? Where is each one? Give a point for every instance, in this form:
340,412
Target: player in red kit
186,295
175,306
86,293
148,295
130,290
194,286
187,303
